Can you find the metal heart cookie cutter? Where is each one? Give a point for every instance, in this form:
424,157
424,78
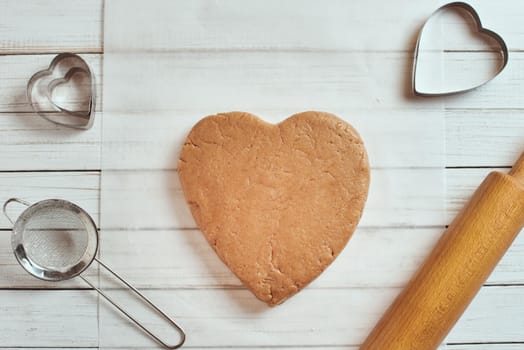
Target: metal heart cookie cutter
56,240
471,11
72,72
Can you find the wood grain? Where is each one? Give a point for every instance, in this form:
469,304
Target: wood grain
51,26
30,143
483,137
270,26
50,319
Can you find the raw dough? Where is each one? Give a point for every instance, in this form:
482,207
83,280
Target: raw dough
278,203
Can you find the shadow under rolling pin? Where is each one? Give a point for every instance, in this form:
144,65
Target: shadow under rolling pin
466,254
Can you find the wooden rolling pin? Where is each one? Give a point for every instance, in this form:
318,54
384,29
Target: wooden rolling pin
433,301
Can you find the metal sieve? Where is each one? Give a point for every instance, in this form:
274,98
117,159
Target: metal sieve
56,240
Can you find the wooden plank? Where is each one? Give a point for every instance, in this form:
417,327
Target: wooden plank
81,188
313,317
502,17
29,142
212,81
484,137
501,93
483,321
273,25
299,25
460,184
16,70
52,319
494,346
42,29
51,26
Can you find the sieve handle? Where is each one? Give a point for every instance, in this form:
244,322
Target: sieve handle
147,301
13,200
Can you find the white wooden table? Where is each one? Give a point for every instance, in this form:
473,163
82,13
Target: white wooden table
483,133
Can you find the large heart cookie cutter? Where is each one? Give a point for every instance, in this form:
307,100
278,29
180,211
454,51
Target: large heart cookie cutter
44,83
471,11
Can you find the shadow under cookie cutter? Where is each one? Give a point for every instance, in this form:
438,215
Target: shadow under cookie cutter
476,18
76,119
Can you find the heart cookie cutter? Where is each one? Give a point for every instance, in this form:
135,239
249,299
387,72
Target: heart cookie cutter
476,18
43,84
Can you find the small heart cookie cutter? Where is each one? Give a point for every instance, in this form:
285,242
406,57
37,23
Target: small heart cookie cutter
76,119
473,13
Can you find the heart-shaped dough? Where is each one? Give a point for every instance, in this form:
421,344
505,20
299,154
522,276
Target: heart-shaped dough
278,203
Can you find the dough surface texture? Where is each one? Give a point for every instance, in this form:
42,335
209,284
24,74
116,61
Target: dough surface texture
277,202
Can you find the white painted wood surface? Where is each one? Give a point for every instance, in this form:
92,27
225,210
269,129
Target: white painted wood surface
38,160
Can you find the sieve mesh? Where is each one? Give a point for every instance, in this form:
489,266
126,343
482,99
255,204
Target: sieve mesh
55,237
